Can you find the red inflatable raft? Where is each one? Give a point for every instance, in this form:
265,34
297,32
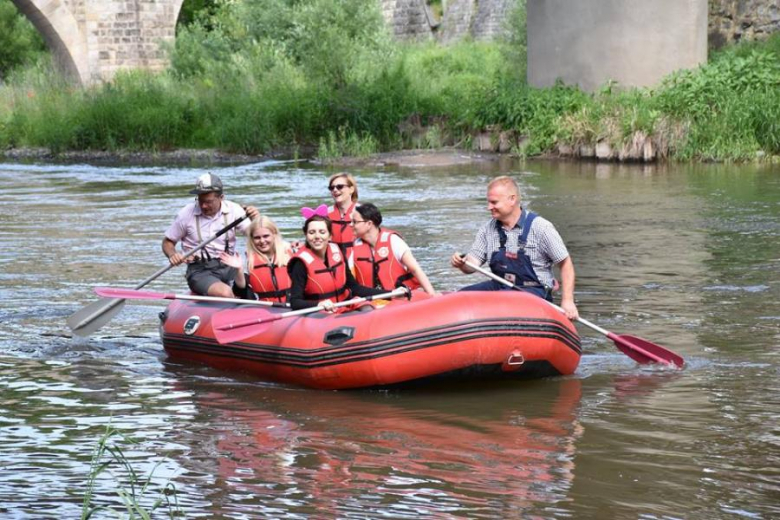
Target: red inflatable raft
462,335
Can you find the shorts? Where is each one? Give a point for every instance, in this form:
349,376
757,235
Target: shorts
203,274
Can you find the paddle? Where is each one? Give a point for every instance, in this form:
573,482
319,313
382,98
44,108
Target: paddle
638,349
234,325
90,318
133,294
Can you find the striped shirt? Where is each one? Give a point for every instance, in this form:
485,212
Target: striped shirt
545,246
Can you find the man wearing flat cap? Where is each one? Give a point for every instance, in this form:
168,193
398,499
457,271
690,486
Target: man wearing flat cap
208,272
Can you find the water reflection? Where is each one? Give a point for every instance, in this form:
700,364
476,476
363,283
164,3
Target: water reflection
404,456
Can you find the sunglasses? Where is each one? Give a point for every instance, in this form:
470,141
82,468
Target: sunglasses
337,187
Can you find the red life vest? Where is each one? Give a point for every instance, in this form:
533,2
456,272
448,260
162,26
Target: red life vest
343,234
323,282
378,267
269,281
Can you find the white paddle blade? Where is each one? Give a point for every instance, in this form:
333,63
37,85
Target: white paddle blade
94,316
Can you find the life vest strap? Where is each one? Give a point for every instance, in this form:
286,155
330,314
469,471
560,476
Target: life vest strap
403,278
324,296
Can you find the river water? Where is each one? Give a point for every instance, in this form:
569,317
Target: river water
685,256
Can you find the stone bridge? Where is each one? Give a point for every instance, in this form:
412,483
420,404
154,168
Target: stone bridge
586,42
93,39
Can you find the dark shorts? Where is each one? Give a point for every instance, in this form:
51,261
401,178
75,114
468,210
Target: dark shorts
202,275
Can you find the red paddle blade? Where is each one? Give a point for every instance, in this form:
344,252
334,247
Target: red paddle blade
234,325
643,351
131,294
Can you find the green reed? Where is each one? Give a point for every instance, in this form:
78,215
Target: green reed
109,462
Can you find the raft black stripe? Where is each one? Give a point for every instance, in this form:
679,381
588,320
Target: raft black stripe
277,360
464,325
386,342
296,357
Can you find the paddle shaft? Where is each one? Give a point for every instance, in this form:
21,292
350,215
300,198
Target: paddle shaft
623,343
134,294
301,312
497,278
113,303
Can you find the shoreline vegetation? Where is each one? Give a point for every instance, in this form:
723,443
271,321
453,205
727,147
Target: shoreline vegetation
247,82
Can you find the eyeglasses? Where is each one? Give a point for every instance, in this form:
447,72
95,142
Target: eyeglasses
337,187
356,222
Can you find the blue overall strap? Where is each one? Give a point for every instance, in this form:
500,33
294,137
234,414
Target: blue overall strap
521,247
526,217
525,223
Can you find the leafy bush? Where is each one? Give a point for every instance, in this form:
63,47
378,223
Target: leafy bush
695,92
20,43
766,120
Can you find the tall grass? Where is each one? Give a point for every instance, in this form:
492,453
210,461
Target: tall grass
346,144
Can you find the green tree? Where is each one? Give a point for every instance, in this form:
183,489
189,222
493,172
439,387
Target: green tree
328,39
20,42
193,10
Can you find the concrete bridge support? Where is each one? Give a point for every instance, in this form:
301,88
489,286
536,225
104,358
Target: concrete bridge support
93,39
633,42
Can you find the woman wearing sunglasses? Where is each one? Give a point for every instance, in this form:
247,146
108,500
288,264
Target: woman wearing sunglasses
381,258
343,189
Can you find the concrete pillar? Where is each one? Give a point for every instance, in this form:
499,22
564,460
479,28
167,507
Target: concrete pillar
633,42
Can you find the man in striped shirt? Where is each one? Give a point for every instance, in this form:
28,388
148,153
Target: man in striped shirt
521,247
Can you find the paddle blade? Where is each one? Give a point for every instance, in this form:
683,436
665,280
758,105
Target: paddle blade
94,316
131,294
234,325
643,351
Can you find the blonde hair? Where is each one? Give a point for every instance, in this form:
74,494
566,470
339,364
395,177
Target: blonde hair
281,248
508,183
350,179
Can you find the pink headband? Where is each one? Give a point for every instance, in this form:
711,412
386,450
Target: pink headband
322,210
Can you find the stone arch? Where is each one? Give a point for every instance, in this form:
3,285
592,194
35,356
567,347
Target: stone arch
93,39
61,33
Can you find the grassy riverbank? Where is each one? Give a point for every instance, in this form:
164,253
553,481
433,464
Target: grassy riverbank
248,80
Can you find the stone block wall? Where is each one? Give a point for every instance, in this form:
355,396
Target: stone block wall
734,20
491,19
93,39
408,19
479,19
124,34
456,21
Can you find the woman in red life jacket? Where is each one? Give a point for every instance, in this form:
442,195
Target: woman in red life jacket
319,273
267,256
380,257
343,189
